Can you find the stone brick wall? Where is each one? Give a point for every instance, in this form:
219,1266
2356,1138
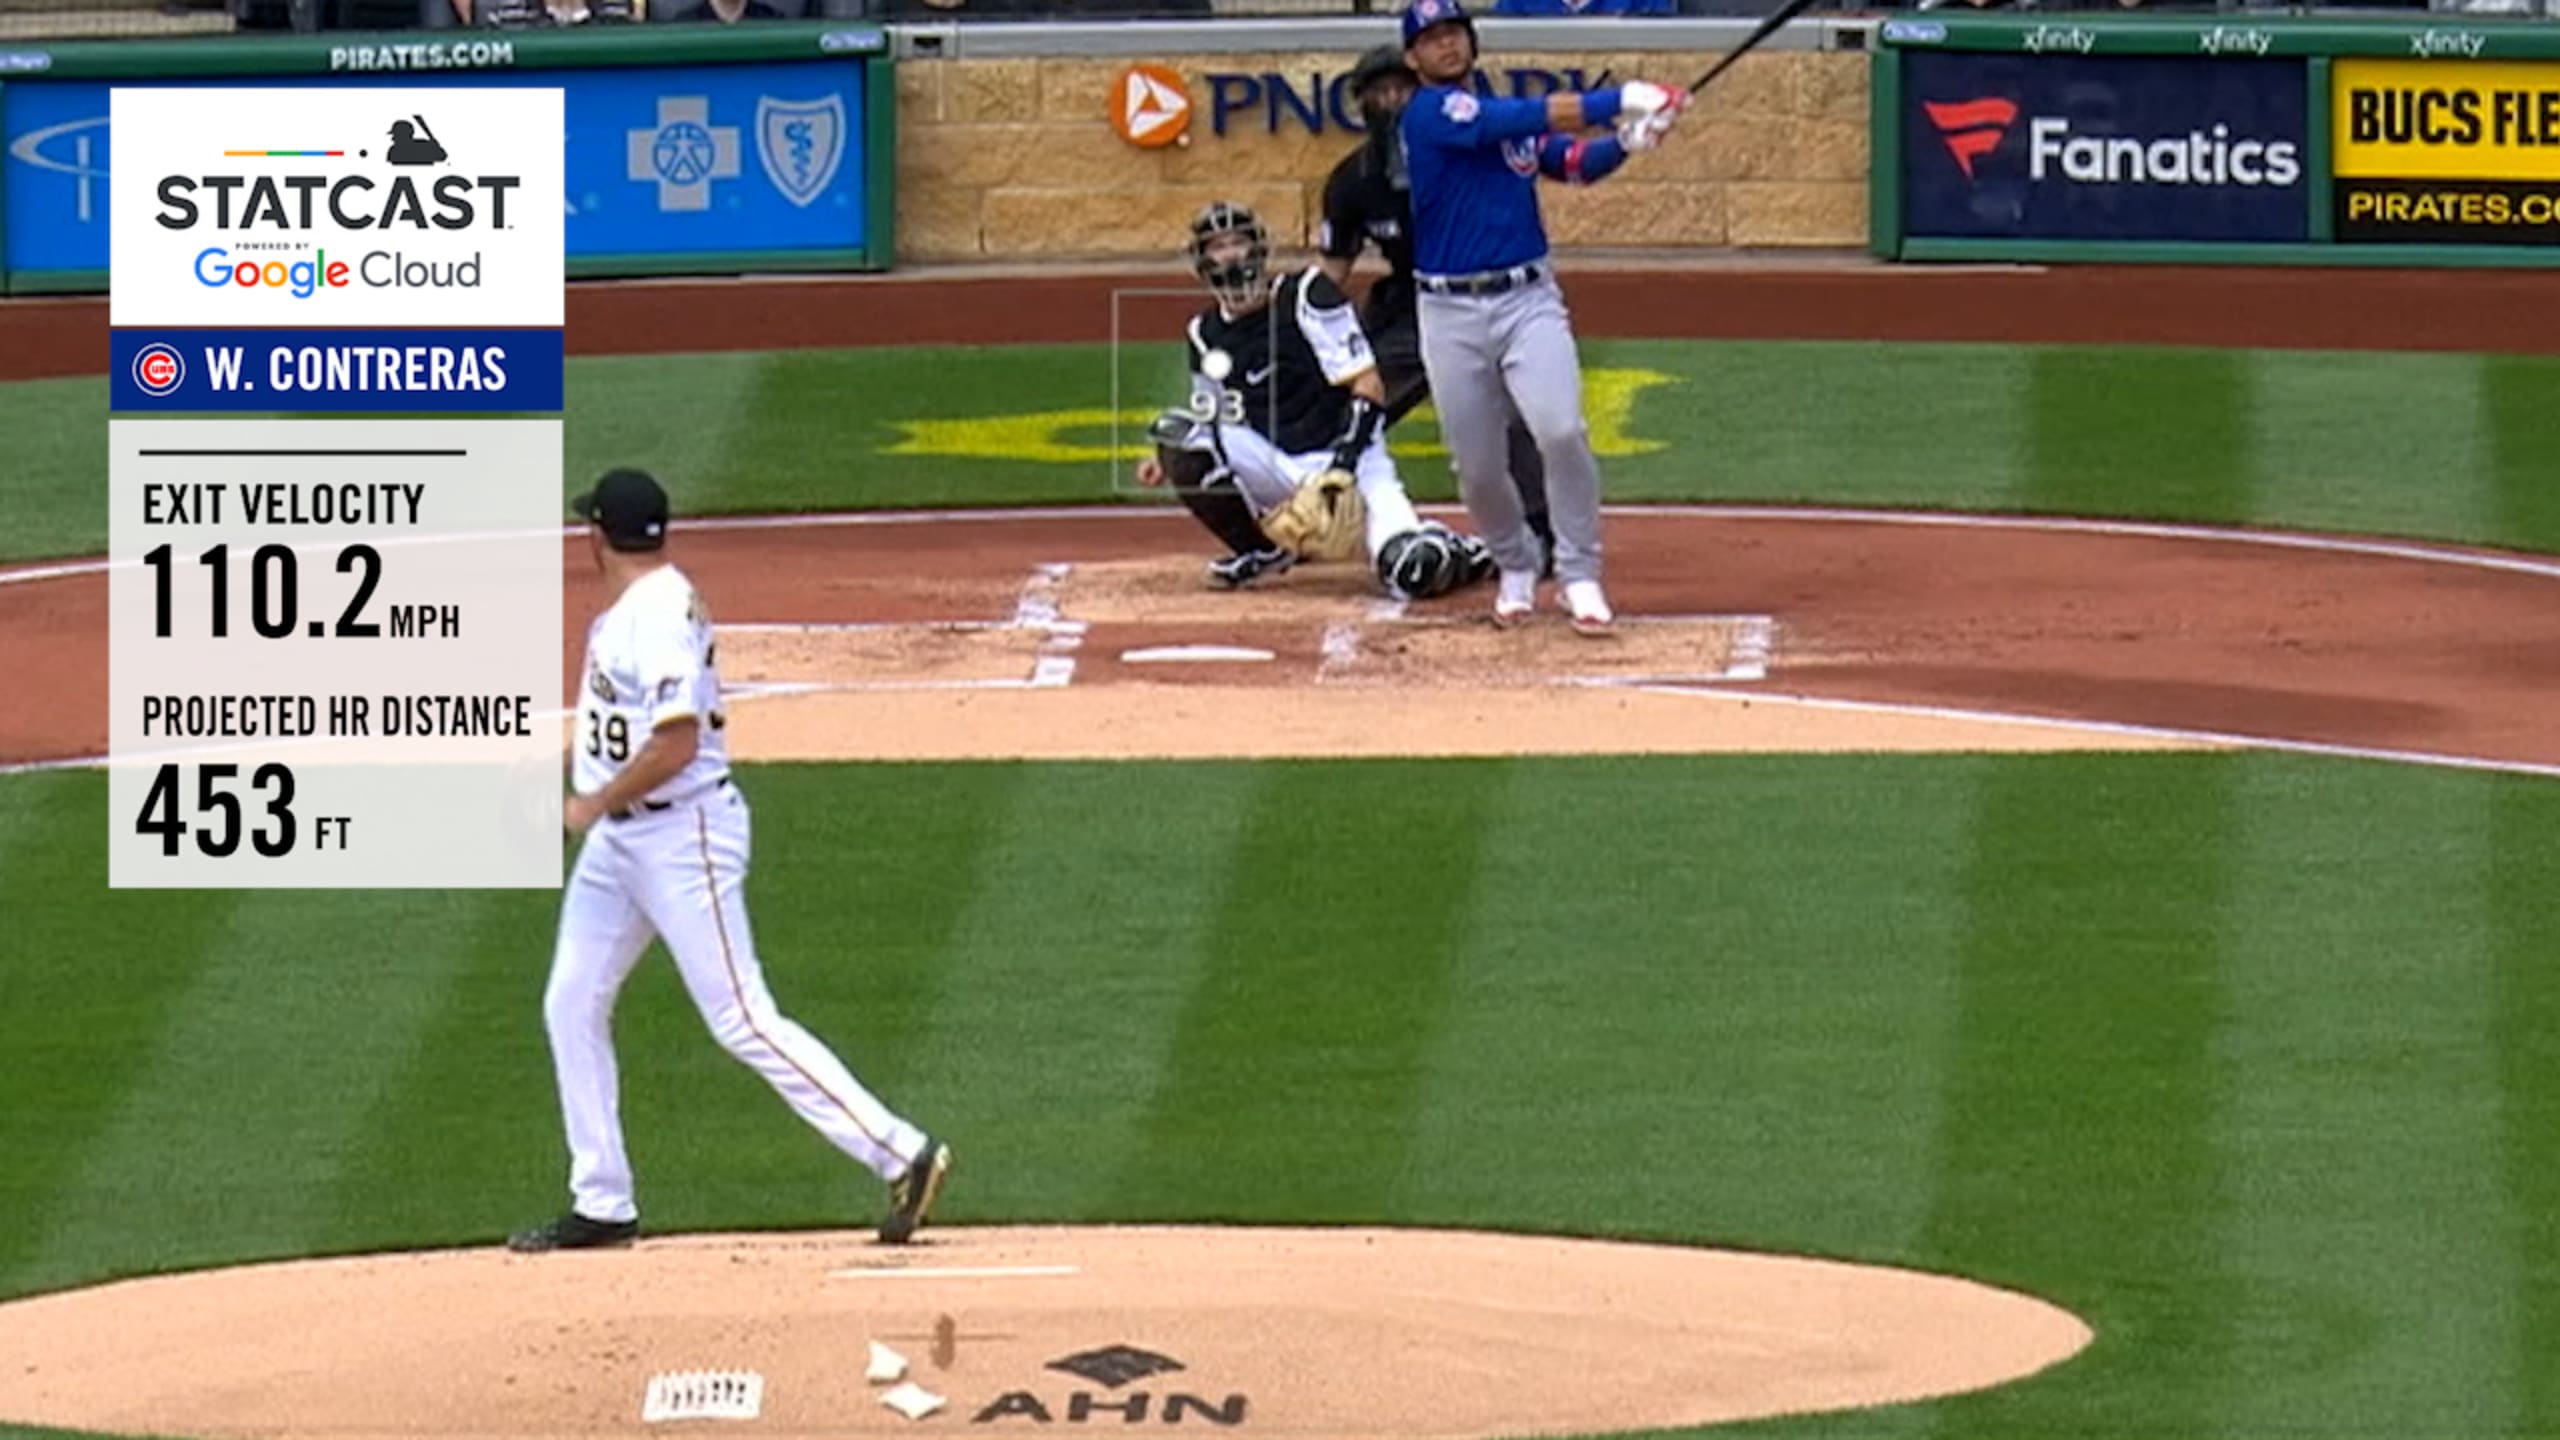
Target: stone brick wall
1016,159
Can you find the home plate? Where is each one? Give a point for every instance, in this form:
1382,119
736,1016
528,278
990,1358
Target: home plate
1194,655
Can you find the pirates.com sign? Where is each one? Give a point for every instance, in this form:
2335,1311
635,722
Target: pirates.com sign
326,207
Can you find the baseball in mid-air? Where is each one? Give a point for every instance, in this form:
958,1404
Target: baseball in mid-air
1216,364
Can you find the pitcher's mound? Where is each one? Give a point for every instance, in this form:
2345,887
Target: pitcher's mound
1333,1333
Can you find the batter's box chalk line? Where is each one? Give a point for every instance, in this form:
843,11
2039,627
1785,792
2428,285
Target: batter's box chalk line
703,1395
1037,609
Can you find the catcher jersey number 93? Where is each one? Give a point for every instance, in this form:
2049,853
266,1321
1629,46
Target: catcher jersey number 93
1279,370
649,661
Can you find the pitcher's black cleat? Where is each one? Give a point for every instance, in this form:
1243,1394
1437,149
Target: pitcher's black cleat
911,1195
574,1231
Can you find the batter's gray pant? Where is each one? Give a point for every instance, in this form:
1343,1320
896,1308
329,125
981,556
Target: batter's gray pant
1480,348
1397,342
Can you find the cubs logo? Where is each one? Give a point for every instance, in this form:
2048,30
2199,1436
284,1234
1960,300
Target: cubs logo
158,370
1460,107
1521,156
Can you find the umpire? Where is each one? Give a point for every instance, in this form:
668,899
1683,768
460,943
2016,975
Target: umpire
1366,200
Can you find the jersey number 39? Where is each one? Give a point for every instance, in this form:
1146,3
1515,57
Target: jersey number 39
608,736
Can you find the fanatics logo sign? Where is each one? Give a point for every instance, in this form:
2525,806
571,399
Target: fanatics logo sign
1972,128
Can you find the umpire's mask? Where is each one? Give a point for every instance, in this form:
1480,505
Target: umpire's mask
1243,249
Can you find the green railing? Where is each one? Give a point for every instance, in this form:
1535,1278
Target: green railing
453,56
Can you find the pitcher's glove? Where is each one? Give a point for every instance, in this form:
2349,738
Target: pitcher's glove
1324,520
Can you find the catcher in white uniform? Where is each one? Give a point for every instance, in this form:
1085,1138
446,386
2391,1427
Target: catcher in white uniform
666,853
1280,452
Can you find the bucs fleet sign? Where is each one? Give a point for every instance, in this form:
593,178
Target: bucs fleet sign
327,207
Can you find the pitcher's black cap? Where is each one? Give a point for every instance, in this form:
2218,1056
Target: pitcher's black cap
630,506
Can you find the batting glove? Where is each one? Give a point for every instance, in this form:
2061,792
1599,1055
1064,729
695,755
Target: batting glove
1641,100
1642,135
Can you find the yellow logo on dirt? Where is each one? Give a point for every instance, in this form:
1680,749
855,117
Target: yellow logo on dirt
1083,436
2445,120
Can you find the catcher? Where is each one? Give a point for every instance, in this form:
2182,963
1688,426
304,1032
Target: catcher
1279,452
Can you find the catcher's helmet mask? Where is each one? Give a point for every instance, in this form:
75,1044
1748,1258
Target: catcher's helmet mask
1236,282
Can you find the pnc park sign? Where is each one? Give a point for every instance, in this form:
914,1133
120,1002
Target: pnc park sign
1152,105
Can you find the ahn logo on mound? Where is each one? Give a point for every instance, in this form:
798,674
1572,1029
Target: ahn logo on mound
1105,1400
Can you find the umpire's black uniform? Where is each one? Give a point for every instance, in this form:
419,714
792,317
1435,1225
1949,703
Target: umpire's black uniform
1366,202
1364,205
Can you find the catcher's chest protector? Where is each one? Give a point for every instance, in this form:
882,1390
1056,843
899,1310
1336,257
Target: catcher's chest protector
1276,382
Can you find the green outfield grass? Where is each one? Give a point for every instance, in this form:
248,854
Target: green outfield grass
2252,1061
2447,446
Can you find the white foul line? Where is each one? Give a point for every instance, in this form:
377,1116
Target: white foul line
1700,690
959,1272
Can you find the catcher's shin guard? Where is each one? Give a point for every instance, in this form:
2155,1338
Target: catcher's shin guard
1212,498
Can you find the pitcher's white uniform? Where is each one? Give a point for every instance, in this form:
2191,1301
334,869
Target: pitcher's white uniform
674,865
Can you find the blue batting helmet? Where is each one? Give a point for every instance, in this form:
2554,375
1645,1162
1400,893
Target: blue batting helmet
1421,15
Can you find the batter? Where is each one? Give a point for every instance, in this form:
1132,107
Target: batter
666,855
1495,337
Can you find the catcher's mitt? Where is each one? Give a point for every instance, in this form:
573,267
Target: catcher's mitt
1324,520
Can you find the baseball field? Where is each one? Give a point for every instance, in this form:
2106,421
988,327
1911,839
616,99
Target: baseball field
2192,977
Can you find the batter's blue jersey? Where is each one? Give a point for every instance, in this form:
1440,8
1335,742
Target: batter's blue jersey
1473,164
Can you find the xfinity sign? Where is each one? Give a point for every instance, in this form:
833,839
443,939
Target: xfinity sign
336,207
2199,157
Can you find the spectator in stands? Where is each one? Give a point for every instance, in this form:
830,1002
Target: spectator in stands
547,14
1045,9
1586,7
728,12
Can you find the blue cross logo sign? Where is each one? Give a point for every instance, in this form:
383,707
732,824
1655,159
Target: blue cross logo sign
683,153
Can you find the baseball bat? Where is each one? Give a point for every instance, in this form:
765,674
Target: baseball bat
1780,16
